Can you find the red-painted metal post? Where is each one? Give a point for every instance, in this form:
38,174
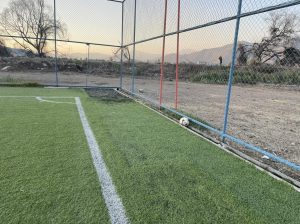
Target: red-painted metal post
163,55
177,55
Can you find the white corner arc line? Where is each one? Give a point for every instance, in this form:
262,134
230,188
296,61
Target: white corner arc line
112,200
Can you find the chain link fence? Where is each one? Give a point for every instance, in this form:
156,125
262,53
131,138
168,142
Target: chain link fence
231,66
75,43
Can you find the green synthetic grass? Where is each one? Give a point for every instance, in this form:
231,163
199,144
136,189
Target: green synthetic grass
163,173
46,171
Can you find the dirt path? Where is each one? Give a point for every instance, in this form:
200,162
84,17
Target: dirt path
268,117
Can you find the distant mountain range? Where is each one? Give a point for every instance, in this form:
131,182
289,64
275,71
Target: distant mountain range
93,56
205,56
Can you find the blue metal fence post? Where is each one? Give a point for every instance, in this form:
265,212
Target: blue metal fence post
122,48
232,69
133,54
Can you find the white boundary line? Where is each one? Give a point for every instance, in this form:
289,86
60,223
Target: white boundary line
113,201
51,101
42,98
46,97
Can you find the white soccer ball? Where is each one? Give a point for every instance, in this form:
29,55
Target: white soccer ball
184,121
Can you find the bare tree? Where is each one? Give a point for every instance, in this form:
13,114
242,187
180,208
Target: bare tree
291,57
32,20
126,53
243,54
282,34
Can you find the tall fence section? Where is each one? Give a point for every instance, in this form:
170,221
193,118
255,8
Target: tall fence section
230,66
81,46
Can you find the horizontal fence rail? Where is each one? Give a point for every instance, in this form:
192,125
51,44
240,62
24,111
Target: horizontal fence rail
66,41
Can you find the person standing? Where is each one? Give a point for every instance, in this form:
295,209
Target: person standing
221,60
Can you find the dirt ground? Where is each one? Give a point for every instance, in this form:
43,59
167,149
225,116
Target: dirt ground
266,116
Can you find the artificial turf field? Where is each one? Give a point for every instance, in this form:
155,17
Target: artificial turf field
162,172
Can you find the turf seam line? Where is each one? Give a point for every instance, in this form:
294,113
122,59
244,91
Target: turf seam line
112,200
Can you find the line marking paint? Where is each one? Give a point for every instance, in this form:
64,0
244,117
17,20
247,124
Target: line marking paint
51,101
113,201
45,97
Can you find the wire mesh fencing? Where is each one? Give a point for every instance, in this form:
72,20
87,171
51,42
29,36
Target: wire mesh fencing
19,66
231,66
60,43
265,92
